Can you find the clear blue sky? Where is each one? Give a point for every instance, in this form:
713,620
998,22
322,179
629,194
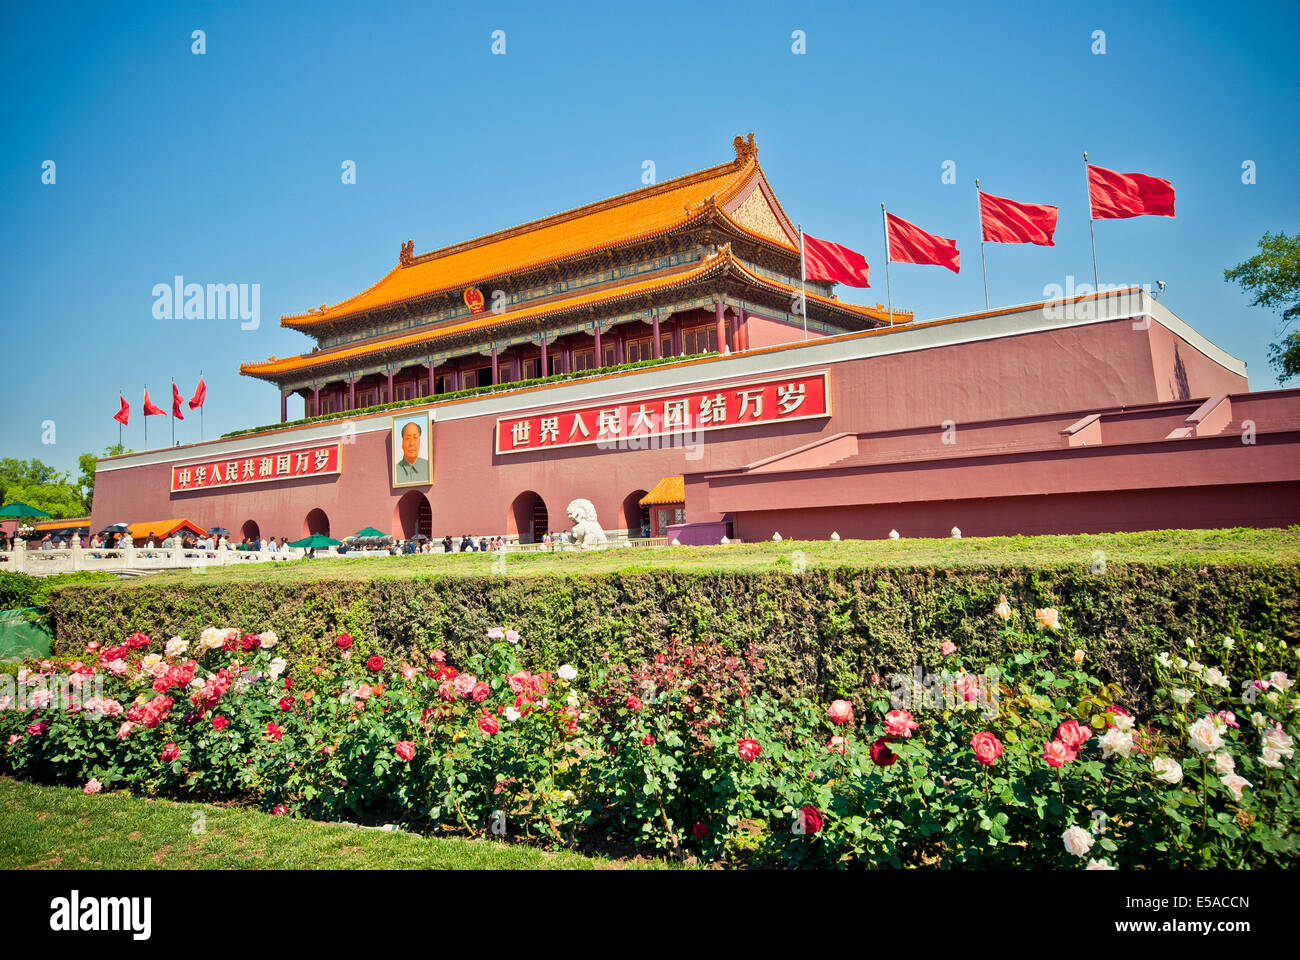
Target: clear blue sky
225,167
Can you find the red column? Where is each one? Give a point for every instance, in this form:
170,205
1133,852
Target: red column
390,387
742,332
432,380
284,406
352,393
718,309
659,348
545,371
495,371
315,401
598,358
566,358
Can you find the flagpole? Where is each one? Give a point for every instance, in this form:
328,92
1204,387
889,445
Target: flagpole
889,289
173,415
1087,183
803,284
144,415
201,406
120,393
983,262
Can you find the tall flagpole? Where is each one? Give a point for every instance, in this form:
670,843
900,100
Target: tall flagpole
1087,183
173,414
201,406
120,393
803,284
144,415
983,262
889,289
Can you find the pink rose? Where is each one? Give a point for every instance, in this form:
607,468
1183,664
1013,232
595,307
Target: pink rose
840,711
948,648
405,749
1072,735
748,749
446,691
987,747
170,752
480,692
1057,754
92,786
496,633
837,745
279,810
464,684
899,723
488,724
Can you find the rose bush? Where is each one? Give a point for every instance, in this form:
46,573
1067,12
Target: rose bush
1032,762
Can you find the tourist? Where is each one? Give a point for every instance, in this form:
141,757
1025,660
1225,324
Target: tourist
270,546
482,544
446,544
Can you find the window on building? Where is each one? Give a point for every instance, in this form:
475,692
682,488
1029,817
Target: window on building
638,350
485,376
611,354
702,339
470,378
532,368
583,359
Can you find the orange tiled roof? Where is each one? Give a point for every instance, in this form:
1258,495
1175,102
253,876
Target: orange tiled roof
679,276
633,216
667,490
64,524
161,528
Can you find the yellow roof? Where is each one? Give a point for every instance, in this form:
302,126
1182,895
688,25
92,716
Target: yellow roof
65,524
627,218
667,490
677,276
161,528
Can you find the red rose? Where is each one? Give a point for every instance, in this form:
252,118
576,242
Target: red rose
170,752
343,641
279,810
488,724
1072,735
1057,754
700,830
286,704
405,749
648,740
273,731
748,749
375,663
811,818
987,747
881,755
219,723
288,684
837,745
841,711
633,703
480,692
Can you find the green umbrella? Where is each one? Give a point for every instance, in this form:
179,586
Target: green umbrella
17,509
370,532
316,540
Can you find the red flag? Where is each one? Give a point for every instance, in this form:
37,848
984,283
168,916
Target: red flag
824,260
1117,196
177,400
123,415
908,243
200,394
149,409
1006,221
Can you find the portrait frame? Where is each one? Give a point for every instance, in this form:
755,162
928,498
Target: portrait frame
399,477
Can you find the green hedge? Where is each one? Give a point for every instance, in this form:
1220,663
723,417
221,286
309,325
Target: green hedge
24,590
823,632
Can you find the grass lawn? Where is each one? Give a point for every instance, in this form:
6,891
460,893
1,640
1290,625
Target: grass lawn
1198,547
54,828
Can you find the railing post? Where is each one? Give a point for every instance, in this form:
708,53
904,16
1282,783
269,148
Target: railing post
128,555
19,551
75,548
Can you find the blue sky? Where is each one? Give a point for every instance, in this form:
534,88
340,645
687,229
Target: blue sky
225,167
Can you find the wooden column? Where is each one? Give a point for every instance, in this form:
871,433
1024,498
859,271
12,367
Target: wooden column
718,316
390,386
352,393
545,371
598,355
315,400
496,378
433,381
284,406
659,347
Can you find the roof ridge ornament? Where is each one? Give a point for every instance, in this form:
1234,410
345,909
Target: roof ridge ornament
407,256
745,149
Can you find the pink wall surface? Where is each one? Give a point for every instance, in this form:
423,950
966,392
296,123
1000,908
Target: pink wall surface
1072,370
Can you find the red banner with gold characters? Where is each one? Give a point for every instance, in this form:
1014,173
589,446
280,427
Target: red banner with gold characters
315,461
624,423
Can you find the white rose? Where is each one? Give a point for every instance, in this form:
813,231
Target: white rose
1279,740
1215,678
1227,643
512,714
1122,722
1195,666
1078,841
1181,695
1164,660
572,699
1204,736
1234,782
1167,769
566,672
278,666
176,646
1271,757
1116,741
1281,680
269,639
1223,762
1099,865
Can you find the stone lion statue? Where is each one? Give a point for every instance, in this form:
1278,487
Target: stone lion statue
586,531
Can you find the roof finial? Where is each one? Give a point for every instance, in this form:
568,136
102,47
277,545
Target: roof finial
407,256
745,149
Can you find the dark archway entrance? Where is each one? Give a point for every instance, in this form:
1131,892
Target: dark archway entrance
635,516
316,522
528,518
412,515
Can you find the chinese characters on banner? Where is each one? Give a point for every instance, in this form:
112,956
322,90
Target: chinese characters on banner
317,461
740,405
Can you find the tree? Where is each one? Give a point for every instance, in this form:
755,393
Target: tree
1273,277
39,485
86,482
